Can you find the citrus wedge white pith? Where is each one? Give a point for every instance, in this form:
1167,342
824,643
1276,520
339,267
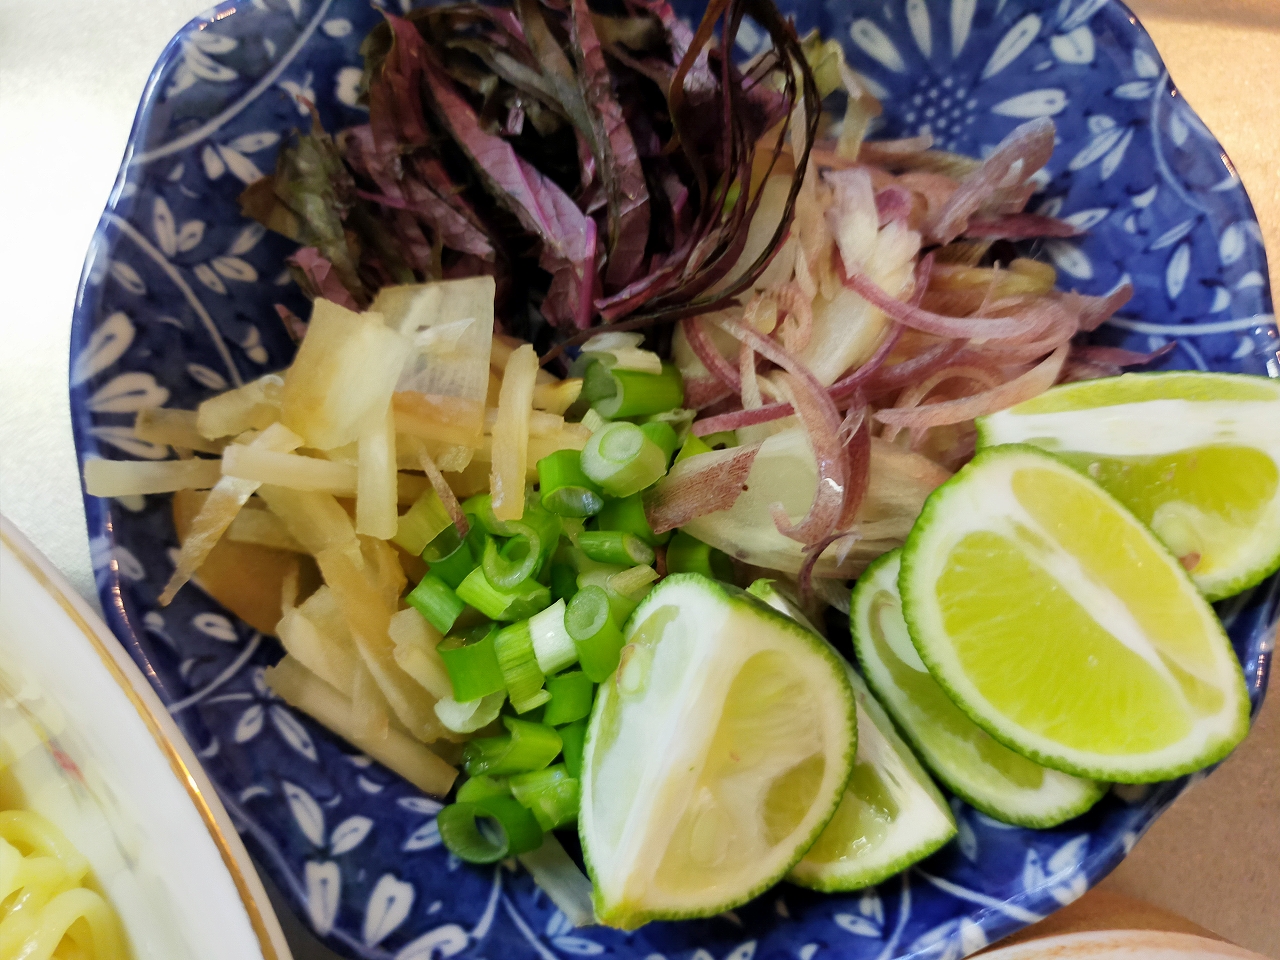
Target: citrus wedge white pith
974,766
1195,456
715,755
1060,625
891,814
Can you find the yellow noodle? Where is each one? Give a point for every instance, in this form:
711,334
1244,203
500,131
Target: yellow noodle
46,913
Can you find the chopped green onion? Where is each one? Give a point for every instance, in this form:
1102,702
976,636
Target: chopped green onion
562,880
514,648
721,440
547,524
592,420
601,577
471,715
564,489
693,445
637,394
627,515
572,694
523,600
679,419
663,435
622,459
436,601
589,620
421,523
564,581
528,746
614,546
514,561
598,383
578,367
473,667
481,788
686,554
552,644
586,566
624,586
551,794
633,583
451,557
573,738
517,830
480,506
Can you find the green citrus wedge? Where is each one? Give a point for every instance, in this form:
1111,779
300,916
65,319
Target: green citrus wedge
974,766
891,814
1195,456
1061,626
715,754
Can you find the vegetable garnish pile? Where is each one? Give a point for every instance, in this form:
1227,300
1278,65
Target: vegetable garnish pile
766,345
623,154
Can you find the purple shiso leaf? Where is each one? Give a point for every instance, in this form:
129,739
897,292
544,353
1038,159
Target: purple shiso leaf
567,235
308,199
622,150
416,183
319,279
417,190
557,71
628,194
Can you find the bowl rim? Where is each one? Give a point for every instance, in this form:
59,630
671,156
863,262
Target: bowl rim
129,680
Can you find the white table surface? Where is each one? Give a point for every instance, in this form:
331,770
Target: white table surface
71,72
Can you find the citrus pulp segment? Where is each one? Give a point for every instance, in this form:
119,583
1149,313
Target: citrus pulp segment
974,766
715,754
1195,456
1060,625
891,814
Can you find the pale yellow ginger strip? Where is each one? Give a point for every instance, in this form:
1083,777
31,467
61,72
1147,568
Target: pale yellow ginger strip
557,397
449,420
345,371
541,423
290,470
255,406
176,428
332,658
221,506
369,708
124,478
510,460
368,614
416,641
264,529
450,324
304,691
376,493
316,520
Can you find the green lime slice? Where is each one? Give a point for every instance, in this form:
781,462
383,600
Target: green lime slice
715,755
1195,456
974,766
1059,624
891,814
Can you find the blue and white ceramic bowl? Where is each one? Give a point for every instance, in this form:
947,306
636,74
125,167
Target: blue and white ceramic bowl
176,304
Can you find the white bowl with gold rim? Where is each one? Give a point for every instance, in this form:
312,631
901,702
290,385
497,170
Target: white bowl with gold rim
85,742
1123,945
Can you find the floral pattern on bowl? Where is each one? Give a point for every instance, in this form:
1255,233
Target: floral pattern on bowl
176,304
